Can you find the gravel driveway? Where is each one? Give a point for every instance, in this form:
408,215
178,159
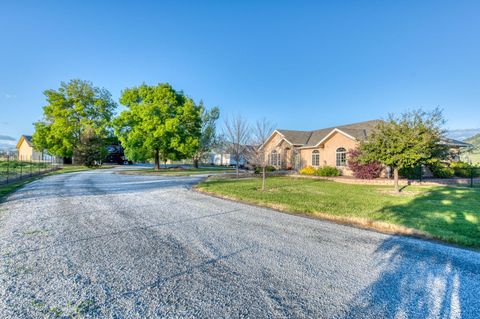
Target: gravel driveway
106,245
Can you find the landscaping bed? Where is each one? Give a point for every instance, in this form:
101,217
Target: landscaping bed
450,214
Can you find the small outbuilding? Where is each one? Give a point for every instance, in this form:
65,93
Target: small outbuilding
26,151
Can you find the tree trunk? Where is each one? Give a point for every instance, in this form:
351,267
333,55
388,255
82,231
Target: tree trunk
238,172
195,162
157,160
395,178
263,178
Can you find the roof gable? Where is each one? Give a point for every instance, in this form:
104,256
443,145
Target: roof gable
25,138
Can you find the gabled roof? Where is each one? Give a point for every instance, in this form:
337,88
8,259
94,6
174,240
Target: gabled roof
26,138
358,131
296,137
454,143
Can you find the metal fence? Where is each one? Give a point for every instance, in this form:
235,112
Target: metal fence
13,169
455,175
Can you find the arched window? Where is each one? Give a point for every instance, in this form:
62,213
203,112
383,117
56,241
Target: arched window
315,158
341,156
274,158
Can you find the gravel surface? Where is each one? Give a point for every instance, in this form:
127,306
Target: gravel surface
106,245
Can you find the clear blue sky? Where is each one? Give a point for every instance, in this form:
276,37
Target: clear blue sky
304,65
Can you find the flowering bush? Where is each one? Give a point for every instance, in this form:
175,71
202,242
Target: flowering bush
309,170
363,170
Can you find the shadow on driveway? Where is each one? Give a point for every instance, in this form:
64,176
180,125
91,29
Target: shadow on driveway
419,288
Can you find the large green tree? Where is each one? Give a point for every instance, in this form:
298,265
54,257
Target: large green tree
159,123
406,141
74,111
208,133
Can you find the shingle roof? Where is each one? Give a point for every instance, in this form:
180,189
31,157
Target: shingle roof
28,138
296,137
454,143
310,138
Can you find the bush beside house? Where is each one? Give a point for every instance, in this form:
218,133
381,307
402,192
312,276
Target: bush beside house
322,171
361,170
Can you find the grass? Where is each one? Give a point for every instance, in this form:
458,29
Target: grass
179,171
450,214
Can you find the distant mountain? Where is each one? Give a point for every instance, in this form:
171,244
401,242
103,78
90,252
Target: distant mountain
463,135
475,141
473,155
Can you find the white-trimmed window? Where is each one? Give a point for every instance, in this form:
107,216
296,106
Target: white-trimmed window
315,158
274,158
341,156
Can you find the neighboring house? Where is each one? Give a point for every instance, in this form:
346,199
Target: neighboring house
222,156
287,149
26,152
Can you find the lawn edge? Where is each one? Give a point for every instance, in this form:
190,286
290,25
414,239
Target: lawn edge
359,223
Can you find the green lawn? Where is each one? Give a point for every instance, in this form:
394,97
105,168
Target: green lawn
179,171
451,214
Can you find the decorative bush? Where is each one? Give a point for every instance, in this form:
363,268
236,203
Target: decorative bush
462,169
327,171
363,170
441,170
268,169
309,170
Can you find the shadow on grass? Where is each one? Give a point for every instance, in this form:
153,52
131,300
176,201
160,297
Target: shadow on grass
419,282
447,213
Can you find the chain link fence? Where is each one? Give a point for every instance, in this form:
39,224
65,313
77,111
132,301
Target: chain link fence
13,169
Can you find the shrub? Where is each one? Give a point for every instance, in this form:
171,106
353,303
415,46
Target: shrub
363,170
268,169
410,172
462,169
442,171
327,171
309,170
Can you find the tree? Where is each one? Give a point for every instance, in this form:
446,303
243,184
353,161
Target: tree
406,141
91,149
208,136
73,109
261,132
237,135
159,123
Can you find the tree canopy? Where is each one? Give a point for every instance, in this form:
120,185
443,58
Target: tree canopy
208,132
159,123
75,109
406,141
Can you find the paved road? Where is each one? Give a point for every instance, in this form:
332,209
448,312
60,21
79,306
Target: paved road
99,244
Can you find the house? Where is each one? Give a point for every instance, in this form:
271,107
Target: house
222,156
288,149
26,152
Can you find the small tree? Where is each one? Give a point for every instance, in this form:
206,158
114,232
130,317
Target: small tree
237,135
405,141
208,136
257,155
91,150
